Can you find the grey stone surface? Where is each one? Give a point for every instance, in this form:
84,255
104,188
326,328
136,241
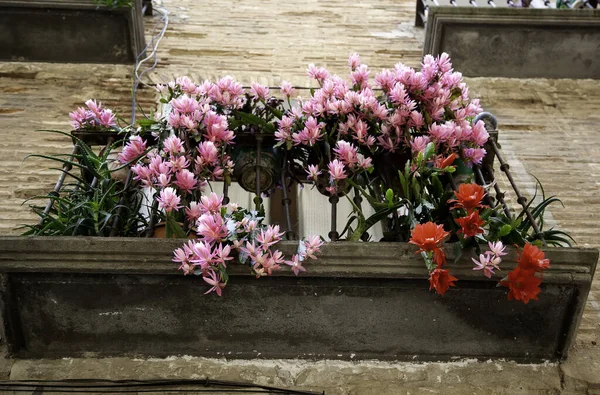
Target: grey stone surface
332,376
516,43
70,31
102,296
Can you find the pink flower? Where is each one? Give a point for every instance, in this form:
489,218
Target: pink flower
168,200
214,279
480,135
354,61
134,148
184,104
347,153
496,249
173,145
287,89
201,254
364,163
473,155
178,163
211,204
313,172
296,264
419,144
95,108
193,212
487,264
78,118
386,80
211,227
185,180
107,119
209,154
318,73
222,254
310,134
360,76
259,92
336,170
398,94
312,245
269,237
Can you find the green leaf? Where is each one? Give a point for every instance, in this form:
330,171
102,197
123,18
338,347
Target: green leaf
505,230
173,228
429,151
389,196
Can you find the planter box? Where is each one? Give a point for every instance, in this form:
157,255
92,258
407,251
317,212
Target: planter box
70,31
108,297
515,42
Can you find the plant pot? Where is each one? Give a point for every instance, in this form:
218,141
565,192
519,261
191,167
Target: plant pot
69,297
160,231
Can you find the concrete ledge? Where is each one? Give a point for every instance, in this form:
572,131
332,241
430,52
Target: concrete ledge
516,43
110,297
70,31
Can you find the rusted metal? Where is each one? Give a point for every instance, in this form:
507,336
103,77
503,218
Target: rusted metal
286,201
333,234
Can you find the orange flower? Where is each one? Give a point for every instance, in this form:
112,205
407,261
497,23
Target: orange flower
522,285
532,258
428,237
468,196
471,225
441,280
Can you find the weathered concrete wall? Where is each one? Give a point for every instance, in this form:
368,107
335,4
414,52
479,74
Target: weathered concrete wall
114,296
69,32
515,42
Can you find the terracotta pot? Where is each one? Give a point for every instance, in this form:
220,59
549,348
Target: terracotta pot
160,231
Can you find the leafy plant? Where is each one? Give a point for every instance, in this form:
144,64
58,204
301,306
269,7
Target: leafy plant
89,202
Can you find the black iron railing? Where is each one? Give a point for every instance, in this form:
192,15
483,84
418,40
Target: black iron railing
251,176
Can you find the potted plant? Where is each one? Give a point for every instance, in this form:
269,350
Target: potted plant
360,300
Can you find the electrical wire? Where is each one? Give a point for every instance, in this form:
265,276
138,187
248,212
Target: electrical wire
144,386
154,42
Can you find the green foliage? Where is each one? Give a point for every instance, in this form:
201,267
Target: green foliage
88,202
115,3
521,230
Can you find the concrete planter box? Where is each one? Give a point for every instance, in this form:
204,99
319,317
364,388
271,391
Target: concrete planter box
516,43
109,297
70,31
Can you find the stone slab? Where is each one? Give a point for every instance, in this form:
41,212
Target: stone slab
516,43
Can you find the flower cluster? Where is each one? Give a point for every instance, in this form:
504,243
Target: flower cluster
359,126
429,238
523,282
468,202
227,231
94,117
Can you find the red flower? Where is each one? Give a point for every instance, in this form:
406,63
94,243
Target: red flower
523,285
468,196
533,259
471,225
441,163
428,237
441,280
